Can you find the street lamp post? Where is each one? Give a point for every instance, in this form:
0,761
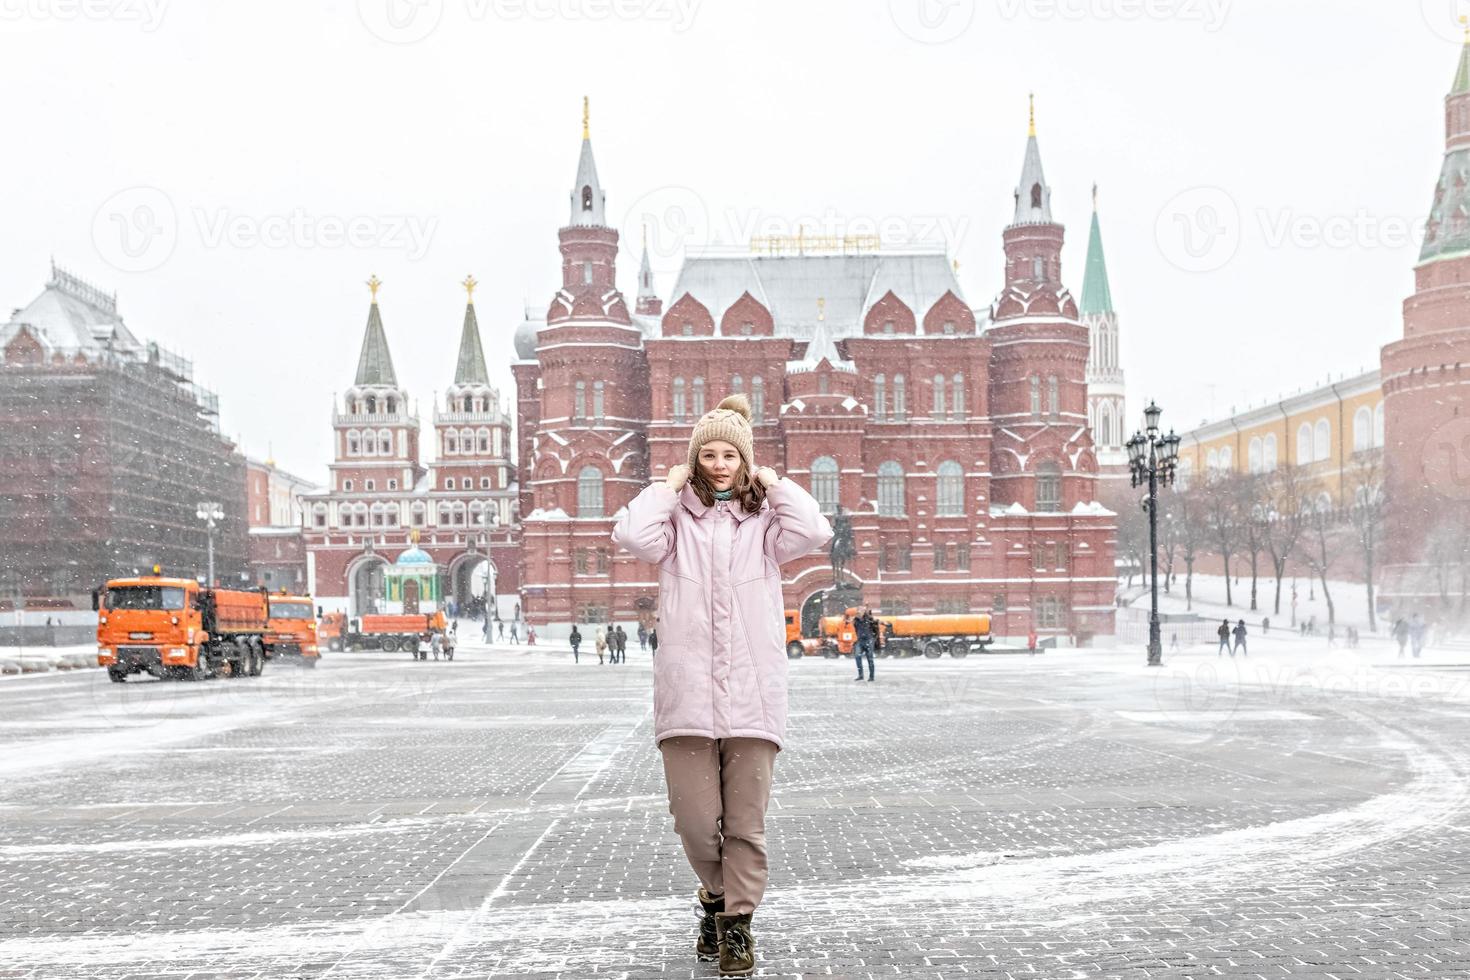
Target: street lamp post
211,514
1152,458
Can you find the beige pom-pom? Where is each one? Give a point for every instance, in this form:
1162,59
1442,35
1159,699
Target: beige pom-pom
738,404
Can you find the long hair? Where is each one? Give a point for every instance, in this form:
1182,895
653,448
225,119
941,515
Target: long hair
749,491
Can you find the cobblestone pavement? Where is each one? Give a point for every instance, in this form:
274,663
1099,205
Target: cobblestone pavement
1073,815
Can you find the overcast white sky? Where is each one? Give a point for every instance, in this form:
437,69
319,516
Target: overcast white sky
1264,166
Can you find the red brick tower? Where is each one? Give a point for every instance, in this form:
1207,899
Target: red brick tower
588,457
1426,376
1038,363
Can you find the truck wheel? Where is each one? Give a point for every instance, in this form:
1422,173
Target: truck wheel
310,661
794,650
117,675
959,648
933,649
829,652
200,670
257,658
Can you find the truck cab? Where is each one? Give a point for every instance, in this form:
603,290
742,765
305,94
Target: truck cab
291,629
149,624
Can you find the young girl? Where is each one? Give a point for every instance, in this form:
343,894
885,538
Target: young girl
719,529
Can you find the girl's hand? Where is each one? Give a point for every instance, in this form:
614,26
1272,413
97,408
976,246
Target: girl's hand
678,476
767,476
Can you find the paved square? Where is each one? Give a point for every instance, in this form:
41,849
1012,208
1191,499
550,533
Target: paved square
1296,814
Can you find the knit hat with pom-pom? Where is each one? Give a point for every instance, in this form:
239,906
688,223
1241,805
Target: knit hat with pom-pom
729,422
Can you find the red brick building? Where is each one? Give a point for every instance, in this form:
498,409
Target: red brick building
277,539
381,499
1426,389
956,439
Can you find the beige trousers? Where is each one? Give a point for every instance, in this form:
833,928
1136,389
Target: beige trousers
718,792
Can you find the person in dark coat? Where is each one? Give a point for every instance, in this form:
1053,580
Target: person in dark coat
866,628
1239,639
622,644
1224,634
653,643
576,639
642,637
1401,634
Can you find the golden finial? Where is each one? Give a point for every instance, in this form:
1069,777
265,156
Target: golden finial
585,116
1031,99
372,285
469,285
821,307
413,532
1465,23
956,263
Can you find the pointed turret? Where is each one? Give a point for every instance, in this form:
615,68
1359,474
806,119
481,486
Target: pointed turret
648,302
469,368
589,203
1097,297
1033,197
374,363
1447,232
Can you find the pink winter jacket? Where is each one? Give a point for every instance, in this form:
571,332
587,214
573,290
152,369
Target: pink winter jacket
721,665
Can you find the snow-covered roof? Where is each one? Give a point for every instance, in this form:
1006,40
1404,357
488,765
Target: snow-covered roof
790,286
71,315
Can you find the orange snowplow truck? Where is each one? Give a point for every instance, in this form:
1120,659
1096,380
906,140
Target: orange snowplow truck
903,636
175,627
380,631
291,629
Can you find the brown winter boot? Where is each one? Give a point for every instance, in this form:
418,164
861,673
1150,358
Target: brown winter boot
737,946
708,946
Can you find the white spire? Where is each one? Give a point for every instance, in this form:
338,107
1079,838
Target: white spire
588,200
1033,197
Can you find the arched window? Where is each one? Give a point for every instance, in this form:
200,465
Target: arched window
1036,195
1053,396
385,442
586,197
880,397
1038,268
579,400
389,404
737,383
589,492
482,438
1036,396
1227,459
1362,429
390,515
890,489
418,513
477,513
1212,461
900,399
939,399
678,399
459,511
1104,424
957,397
450,483
446,514
1321,440
1048,488
451,443
597,389
824,483
1185,471
371,404
1253,455
698,397
1304,444
352,444
757,399
951,492
1268,453
1378,425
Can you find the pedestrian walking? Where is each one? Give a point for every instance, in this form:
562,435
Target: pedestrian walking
653,643
1173,641
642,637
530,636
1224,634
720,704
1417,630
515,636
1031,641
501,624
486,632
600,640
1239,639
866,628
622,644
1401,633
576,640
1265,625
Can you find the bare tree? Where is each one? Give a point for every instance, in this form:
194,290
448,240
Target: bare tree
1319,544
1366,514
1188,520
1222,521
1283,523
1133,538
1251,510
1169,541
